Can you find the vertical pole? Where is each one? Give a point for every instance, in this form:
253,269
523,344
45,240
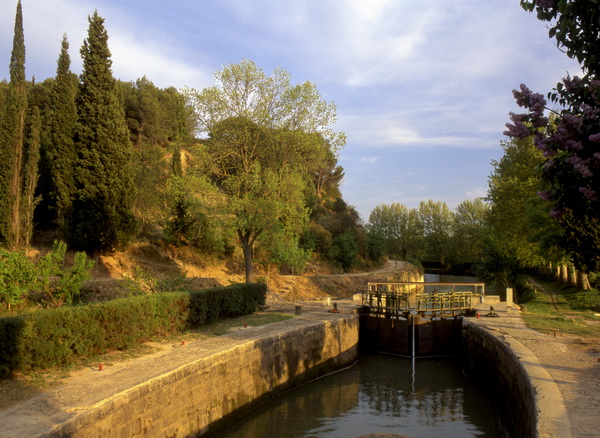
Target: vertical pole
413,315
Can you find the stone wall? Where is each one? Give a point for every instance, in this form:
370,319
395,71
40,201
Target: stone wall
186,401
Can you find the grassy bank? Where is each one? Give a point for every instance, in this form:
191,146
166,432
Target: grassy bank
552,308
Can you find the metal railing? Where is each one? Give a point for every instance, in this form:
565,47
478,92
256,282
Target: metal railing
427,299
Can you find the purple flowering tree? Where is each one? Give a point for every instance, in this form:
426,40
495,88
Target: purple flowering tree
569,137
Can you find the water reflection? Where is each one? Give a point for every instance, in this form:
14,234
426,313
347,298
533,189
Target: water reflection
378,395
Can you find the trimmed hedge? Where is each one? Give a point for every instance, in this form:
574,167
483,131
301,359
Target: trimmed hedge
59,337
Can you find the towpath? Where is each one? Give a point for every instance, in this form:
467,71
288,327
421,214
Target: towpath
571,362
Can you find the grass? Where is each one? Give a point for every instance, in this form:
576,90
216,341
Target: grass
24,386
554,314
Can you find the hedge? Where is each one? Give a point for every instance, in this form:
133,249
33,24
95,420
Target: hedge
60,337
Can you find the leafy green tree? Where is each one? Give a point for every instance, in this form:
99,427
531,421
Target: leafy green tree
513,182
570,142
244,91
262,197
436,224
13,140
59,151
263,136
102,217
470,229
345,249
399,227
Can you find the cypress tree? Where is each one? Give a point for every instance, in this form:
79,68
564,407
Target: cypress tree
30,177
101,217
60,153
13,128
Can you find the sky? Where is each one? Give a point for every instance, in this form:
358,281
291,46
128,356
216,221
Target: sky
423,88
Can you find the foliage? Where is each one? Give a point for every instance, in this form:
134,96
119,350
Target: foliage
59,150
46,280
469,231
399,228
59,337
243,91
102,217
281,247
570,142
513,183
585,299
344,250
498,265
435,219
12,141
17,277
29,200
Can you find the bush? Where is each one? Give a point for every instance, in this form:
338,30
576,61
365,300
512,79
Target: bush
524,291
585,300
46,280
62,336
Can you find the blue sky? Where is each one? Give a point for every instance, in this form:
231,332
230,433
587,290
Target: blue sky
423,88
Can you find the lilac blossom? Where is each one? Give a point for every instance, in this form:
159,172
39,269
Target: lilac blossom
556,213
517,130
595,137
588,193
573,145
573,121
545,195
572,83
588,111
580,165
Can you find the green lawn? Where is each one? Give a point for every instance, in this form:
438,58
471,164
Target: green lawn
554,314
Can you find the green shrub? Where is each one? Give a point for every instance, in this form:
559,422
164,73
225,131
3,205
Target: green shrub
46,280
525,292
17,277
59,337
584,300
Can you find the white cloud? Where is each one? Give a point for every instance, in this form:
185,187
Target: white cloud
370,160
136,46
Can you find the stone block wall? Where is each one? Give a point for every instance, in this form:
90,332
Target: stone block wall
496,366
186,401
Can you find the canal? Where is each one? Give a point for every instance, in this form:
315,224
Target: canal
379,394
382,394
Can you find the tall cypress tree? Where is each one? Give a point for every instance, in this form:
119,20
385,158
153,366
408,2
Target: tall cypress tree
30,177
12,143
101,217
59,152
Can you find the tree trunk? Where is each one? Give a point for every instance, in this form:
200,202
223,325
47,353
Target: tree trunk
247,245
572,275
564,276
583,282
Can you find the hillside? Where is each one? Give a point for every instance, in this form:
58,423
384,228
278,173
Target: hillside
149,263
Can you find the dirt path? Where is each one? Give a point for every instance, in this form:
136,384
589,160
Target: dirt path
541,288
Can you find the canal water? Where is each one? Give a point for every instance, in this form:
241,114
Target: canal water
379,394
